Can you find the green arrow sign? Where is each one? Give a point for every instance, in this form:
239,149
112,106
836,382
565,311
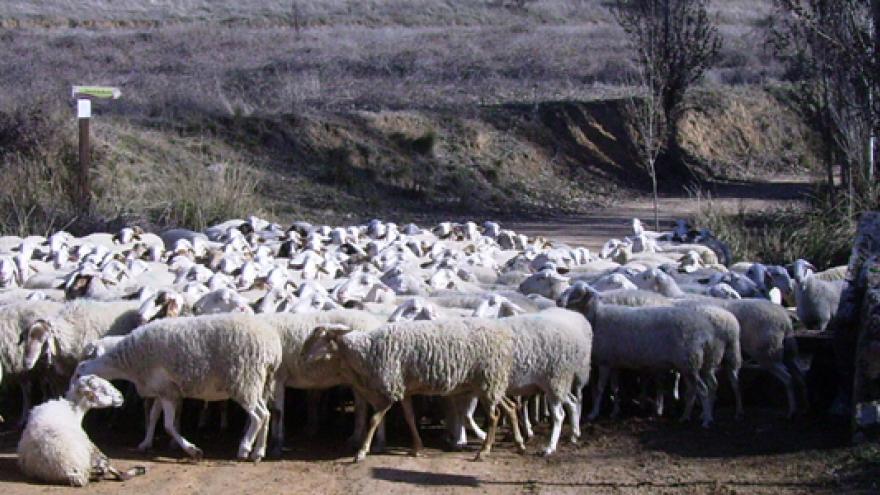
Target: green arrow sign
96,92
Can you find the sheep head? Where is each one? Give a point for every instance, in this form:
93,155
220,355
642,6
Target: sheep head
93,392
323,343
40,340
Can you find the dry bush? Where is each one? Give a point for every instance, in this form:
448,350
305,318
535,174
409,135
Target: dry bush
813,231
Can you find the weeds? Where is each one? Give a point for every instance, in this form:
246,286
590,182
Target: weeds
814,231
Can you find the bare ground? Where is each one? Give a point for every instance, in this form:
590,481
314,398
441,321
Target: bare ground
762,454
592,230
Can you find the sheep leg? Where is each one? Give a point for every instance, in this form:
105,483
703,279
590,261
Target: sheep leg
490,433
410,417
313,401
527,425
259,450
472,424
778,370
599,391
360,420
535,403
277,421
26,389
455,421
675,383
255,425
733,378
375,420
799,383
510,408
152,419
615,394
571,403
659,398
708,400
169,410
224,415
558,416
124,475
690,393
204,414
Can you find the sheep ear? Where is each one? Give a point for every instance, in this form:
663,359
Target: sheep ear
333,329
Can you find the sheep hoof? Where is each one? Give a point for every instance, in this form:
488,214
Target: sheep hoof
195,453
145,446
521,449
547,452
361,455
275,453
416,453
479,457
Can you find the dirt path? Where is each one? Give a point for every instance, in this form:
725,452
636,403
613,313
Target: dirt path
594,229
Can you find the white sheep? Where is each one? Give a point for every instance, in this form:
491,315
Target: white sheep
816,299
54,447
444,357
767,336
216,357
294,330
61,337
693,341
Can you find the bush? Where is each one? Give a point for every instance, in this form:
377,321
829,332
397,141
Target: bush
813,231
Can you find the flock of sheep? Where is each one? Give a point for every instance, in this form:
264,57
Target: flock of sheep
472,314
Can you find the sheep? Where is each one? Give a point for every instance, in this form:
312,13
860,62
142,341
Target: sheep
15,320
54,447
692,341
444,357
816,299
546,282
551,355
767,336
215,357
294,330
61,337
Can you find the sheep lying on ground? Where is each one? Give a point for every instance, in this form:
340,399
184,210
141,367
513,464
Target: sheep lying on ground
693,341
444,357
54,447
216,357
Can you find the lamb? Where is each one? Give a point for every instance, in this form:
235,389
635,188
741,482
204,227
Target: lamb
816,299
215,357
54,447
694,343
444,357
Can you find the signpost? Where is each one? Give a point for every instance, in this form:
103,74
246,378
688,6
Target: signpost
84,96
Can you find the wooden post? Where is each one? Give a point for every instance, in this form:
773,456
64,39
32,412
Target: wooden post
84,114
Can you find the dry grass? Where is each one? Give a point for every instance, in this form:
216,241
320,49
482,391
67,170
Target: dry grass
365,55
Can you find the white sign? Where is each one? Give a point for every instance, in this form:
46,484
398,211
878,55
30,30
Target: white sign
83,109
107,92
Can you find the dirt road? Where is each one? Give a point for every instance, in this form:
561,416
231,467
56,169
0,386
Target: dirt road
592,230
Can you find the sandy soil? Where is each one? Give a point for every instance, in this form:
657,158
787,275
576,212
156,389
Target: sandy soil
637,454
594,229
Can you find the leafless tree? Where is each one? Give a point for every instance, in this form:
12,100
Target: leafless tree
834,47
674,42
645,108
